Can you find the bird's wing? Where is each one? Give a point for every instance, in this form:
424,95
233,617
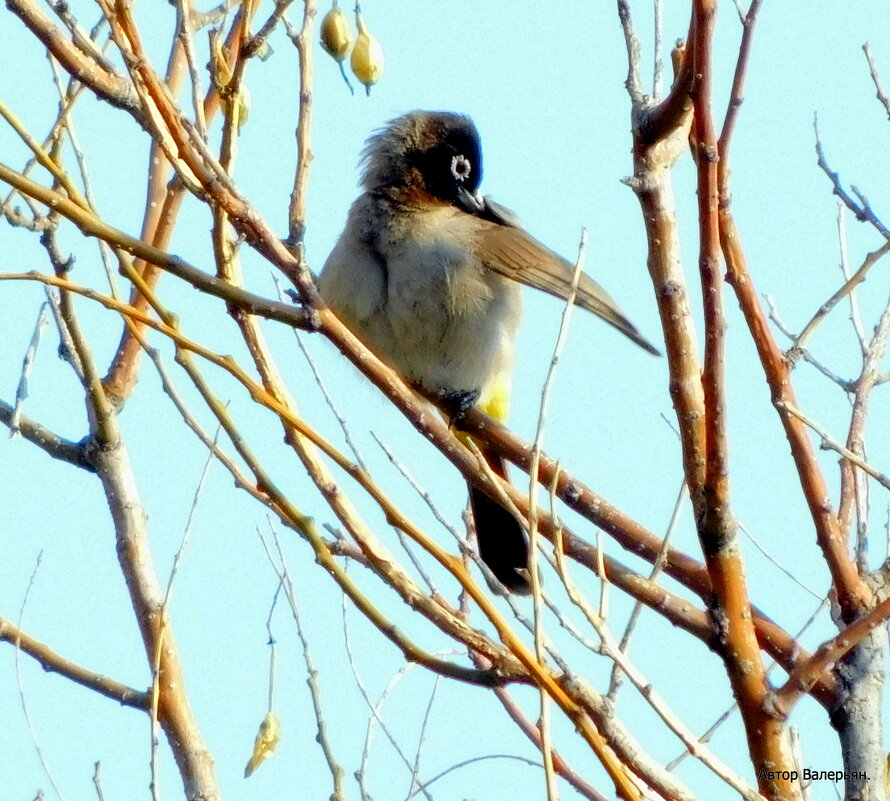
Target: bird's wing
503,246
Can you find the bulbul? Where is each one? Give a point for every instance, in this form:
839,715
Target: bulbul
427,274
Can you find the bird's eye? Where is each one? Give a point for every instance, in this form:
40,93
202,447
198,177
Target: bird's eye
461,168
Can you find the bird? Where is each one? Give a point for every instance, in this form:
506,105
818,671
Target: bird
427,273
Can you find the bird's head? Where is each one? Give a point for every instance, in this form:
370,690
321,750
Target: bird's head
436,154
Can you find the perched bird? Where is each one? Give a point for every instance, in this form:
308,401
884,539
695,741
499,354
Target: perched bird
425,273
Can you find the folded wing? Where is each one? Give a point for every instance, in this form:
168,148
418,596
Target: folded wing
503,246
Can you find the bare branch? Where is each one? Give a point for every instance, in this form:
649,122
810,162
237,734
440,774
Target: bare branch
844,383
736,97
297,210
827,654
828,443
857,278
283,573
32,730
108,86
634,81
862,210
853,594
876,78
48,441
21,392
53,662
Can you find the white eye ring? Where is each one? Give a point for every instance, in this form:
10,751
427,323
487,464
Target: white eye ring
461,168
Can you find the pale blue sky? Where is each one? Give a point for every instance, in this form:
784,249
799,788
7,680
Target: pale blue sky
545,87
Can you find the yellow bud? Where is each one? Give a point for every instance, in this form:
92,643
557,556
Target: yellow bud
242,108
219,63
336,35
266,739
367,57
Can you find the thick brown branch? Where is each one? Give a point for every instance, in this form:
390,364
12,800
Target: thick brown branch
48,441
52,662
737,96
827,655
767,736
162,205
112,88
853,595
652,185
174,712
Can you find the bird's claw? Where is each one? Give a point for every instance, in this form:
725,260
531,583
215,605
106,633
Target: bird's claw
456,404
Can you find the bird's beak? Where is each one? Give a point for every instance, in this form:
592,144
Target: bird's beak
471,203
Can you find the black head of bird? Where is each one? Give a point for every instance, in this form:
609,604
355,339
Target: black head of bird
438,155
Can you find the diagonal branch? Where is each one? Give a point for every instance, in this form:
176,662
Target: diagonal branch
827,655
111,87
53,662
47,440
861,208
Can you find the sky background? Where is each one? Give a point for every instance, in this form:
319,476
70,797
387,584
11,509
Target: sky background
545,87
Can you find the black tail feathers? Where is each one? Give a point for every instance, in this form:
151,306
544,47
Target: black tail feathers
502,542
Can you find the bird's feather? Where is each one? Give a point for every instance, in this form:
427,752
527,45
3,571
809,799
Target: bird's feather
507,249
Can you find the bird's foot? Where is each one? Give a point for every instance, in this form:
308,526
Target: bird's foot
456,404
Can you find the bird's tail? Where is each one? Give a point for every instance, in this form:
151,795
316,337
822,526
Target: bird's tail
502,542
501,539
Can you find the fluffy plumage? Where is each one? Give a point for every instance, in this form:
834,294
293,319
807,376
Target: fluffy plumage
425,273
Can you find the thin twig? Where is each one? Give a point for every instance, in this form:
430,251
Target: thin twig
854,280
415,772
658,56
561,338
736,96
403,540
617,677
164,617
21,392
322,737
97,781
760,547
297,210
53,662
319,380
184,32
633,82
80,158
844,383
472,761
272,642
855,314
20,682
829,443
876,78
374,708
853,486
862,211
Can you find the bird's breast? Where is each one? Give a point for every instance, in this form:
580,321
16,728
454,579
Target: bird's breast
453,321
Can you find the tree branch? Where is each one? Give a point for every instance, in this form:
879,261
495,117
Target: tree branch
48,441
53,662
